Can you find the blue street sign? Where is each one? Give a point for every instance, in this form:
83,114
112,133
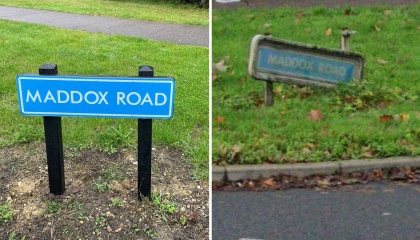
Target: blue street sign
116,97
274,59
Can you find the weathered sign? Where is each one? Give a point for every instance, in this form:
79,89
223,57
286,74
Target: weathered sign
116,97
278,60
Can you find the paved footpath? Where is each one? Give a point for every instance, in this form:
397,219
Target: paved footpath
175,33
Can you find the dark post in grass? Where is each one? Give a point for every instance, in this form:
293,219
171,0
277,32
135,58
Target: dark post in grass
54,143
144,151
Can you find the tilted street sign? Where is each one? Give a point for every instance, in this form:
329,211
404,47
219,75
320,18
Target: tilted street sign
278,60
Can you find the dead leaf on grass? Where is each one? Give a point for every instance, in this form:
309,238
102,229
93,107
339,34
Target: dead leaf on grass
387,12
267,25
378,29
300,14
214,76
386,118
315,115
277,90
381,61
220,120
220,66
369,154
404,117
235,150
328,32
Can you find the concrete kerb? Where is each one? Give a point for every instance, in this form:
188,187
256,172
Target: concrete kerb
240,172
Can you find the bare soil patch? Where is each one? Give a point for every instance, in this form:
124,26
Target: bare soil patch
100,201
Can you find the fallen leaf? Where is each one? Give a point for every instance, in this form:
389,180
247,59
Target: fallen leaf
306,151
220,120
249,17
328,32
327,154
235,150
386,118
267,25
404,117
300,14
315,115
192,216
277,90
377,173
220,66
214,76
387,12
108,228
323,183
269,183
381,61
117,230
369,154
378,29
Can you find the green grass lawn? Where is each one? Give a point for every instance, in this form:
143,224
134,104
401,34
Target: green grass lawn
374,118
149,10
25,47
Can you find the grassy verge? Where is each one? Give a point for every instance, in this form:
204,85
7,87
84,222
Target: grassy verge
377,117
149,10
25,47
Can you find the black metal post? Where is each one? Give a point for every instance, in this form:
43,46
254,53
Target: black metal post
54,143
144,142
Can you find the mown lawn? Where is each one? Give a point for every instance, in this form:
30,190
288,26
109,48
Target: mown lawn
149,10
25,47
374,118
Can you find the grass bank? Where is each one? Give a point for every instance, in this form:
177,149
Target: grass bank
377,117
25,47
148,10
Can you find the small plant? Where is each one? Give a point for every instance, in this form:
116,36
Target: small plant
150,232
116,202
12,236
114,137
81,216
164,206
103,186
52,207
183,220
100,221
26,133
6,212
136,228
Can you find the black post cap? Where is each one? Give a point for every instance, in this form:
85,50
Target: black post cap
146,71
48,69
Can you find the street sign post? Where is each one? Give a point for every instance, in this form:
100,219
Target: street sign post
277,60
52,96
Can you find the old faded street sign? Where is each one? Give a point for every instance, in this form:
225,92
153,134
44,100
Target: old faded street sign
278,60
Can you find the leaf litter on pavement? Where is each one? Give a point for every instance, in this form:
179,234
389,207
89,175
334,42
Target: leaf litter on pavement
321,182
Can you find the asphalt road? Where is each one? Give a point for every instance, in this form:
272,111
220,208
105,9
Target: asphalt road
374,211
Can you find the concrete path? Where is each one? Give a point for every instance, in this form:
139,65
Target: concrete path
175,33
